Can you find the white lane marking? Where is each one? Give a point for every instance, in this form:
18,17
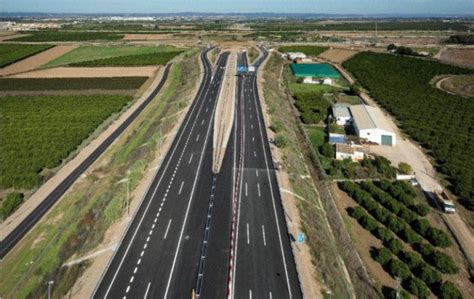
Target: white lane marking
191,158
135,270
273,197
256,172
202,123
253,139
145,245
181,188
258,189
264,239
132,278
250,114
184,126
271,297
128,289
250,294
248,234
207,109
139,261
143,251
246,190
197,138
147,289
254,153
167,229
251,126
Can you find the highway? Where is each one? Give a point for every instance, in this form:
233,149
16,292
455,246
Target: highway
159,255
249,253
24,227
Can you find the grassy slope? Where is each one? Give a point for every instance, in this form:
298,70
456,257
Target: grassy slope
10,53
308,50
87,53
96,201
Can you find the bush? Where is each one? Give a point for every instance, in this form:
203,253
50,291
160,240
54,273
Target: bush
357,212
409,236
382,255
449,291
10,204
417,287
421,209
276,127
383,234
443,263
280,141
421,226
412,259
398,269
429,275
327,150
390,293
438,237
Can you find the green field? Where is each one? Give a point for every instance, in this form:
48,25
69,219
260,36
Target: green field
114,83
56,36
132,60
308,50
87,53
440,122
10,53
37,132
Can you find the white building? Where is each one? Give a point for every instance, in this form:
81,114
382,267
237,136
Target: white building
370,124
293,55
348,151
341,114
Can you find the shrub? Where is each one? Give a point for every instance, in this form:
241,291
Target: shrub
383,234
395,224
382,255
276,127
390,293
409,236
327,150
421,226
438,237
417,287
421,209
443,263
10,204
398,269
412,259
357,212
368,223
449,291
429,275
280,141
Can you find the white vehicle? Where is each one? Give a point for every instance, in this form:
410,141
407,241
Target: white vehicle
251,69
443,200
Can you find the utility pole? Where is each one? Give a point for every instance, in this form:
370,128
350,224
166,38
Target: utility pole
50,283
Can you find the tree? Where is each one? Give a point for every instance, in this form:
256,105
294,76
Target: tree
443,263
382,255
428,274
449,291
394,245
398,269
417,287
327,150
10,204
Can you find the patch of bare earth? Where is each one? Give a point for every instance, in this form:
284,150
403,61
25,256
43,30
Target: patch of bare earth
462,85
461,57
91,72
35,61
338,55
5,36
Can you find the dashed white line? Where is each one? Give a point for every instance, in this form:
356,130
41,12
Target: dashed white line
167,229
132,278
197,138
143,251
181,188
256,172
128,289
246,190
135,270
147,289
139,261
207,109
251,126
248,234
253,139
190,158
271,297
258,189
254,153
250,294
202,123
264,239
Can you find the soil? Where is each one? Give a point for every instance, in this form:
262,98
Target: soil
35,61
338,55
462,85
461,57
90,72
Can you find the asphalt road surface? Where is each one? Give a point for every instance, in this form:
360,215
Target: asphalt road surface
21,230
159,255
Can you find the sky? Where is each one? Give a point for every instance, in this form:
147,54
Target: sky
242,6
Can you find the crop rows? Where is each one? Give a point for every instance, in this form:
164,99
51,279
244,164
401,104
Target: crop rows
415,269
132,60
57,36
10,53
112,83
440,122
37,132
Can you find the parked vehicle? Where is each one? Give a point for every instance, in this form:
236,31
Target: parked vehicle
443,200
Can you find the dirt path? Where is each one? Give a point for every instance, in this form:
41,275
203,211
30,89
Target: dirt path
35,61
25,209
91,72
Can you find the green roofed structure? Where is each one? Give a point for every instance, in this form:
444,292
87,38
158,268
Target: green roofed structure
314,70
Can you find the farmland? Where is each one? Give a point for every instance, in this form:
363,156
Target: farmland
87,53
308,50
34,135
57,36
461,85
408,246
440,122
71,83
132,60
10,53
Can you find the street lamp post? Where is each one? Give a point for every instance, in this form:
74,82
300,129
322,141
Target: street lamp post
50,283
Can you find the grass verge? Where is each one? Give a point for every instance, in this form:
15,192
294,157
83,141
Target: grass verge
78,222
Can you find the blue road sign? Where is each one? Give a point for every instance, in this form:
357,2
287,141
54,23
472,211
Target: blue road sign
242,69
300,238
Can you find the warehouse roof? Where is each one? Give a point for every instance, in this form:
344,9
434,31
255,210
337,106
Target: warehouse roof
318,70
367,117
341,110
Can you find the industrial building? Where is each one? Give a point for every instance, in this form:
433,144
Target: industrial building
370,125
314,70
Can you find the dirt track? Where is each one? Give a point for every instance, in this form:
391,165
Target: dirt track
91,72
35,61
